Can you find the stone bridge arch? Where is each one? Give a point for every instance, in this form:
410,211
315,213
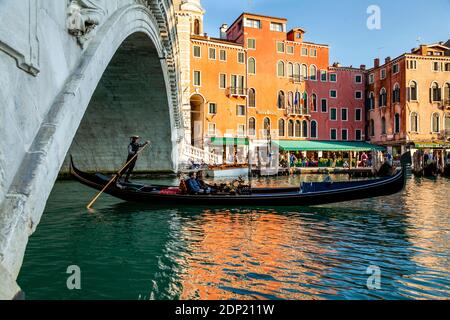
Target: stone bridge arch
144,29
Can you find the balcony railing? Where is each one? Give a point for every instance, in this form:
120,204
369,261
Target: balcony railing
297,111
237,92
446,103
296,78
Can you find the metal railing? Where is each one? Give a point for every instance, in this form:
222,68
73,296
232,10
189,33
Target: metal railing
237,91
297,111
296,78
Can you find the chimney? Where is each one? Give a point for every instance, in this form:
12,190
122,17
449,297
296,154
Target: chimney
223,31
362,67
387,60
376,63
423,49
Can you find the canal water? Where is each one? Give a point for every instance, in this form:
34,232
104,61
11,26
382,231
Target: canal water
129,251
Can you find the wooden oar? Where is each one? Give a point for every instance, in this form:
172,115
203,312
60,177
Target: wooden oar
89,206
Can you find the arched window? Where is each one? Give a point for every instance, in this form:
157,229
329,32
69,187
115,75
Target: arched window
383,125
412,95
304,71
281,127
383,98
291,128
297,72
435,92
396,94
266,127
397,123
197,27
251,66
305,103
314,102
298,129
313,72
372,128
280,69
281,100
435,122
314,129
371,101
305,129
414,122
290,101
252,126
447,94
290,70
251,98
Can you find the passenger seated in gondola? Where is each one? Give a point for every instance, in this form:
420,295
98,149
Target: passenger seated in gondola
203,185
193,185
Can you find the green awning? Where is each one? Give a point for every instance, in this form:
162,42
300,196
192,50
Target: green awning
229,141
432,145
292,145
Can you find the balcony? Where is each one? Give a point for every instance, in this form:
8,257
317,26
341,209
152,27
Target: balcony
296,78
446,104
237,92
298,111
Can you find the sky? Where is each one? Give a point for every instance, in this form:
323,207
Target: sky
343,24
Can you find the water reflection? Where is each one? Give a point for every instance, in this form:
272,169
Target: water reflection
130,251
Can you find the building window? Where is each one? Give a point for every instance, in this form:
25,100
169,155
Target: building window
251,43
333,94
298,129
280,69
251,98
212,53
314,129
240,110
333,134
344,134
323,76
447,66
290,70
304,129
414,122
435,92
305,52
223,55
197,78
304,71
252,23
197,52
290,49
290,101
383,74
211,129
383,125
212,108
412,64
371,101
324,105
278,27
241,57
314,102
436,66
372,128
291,128
447,95
344,114
197,27
358,95
397,123
396,94
252,126
313,52
281,100
251,66
383,98
358,78
358,135
281,127
412,91
280,47
297,72
333,114
333,77
371,78
222,81
266,132
358,114
313,72
435,119
241,130
395,68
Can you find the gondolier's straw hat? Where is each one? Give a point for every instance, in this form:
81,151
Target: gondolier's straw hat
134,137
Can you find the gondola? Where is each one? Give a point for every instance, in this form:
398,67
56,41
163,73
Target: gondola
309,193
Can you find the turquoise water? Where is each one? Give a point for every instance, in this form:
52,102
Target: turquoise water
129,251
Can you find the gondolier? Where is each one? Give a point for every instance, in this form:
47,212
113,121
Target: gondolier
133,149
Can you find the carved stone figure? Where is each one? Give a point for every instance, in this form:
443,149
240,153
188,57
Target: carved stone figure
83,17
